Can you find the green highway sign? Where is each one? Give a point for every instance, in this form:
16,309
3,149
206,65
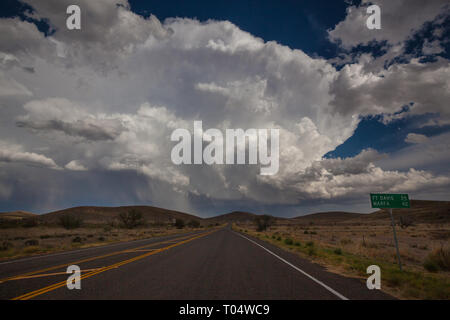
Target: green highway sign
391,201
384,200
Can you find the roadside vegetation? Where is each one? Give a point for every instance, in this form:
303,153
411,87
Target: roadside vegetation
70,222
263,222
179,223
350,252
131,219
25,237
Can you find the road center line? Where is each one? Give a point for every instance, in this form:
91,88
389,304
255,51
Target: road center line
296,268
49,255
49,274
95,258
52,287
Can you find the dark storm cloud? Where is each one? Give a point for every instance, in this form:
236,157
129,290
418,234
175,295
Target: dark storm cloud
88,129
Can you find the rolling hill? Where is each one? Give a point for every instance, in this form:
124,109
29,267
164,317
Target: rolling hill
108,214
235,216
15,215
421,211
328,217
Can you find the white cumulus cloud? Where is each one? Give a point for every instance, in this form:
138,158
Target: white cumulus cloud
110,96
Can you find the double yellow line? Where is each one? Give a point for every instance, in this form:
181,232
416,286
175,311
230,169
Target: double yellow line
52,287
24,275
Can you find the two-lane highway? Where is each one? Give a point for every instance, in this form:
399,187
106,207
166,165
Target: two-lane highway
214,264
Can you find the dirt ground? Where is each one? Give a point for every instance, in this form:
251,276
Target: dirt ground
376,241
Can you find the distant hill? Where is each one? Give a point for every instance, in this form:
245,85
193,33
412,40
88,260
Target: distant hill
235,216
328,217
421,211
108,214
241,217
15,215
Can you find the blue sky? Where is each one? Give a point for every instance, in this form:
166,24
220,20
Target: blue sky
368,102
386,138
297,24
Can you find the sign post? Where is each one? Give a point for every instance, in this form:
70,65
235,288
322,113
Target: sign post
390,201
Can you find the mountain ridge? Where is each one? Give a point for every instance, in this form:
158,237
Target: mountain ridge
421,210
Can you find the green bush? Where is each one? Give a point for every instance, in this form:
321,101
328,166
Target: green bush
263,222
70,222
437,260
431,265
338,251
288,241
6,245
131,219
311,251
394,280
193,224
31,242
77,239
278,238
310,244
179,223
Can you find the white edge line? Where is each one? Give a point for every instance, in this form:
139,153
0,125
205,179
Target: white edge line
298,269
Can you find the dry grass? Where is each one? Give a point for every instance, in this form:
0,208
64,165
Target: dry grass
20,242
349,249
438,260
373,241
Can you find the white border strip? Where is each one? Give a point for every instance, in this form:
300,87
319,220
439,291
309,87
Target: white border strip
298,269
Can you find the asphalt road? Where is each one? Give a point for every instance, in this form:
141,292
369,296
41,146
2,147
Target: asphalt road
214,264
